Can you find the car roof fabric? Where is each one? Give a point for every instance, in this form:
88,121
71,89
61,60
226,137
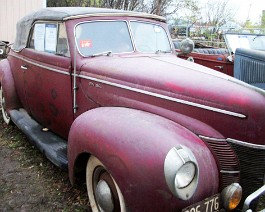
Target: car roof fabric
65,13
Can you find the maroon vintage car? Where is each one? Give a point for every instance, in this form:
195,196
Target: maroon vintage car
101,92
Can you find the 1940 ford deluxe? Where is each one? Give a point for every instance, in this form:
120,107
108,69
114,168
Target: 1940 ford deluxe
101,92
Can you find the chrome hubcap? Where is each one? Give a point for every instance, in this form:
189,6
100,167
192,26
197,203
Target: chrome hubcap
105,191
104,196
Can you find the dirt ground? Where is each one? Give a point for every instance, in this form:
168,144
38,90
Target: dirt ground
29,182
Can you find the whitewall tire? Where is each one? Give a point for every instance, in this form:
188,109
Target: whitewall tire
103,192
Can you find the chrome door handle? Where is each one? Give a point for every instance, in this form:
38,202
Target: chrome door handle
24,67
220,67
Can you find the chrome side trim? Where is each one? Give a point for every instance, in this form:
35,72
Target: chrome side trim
229,172
238,115
242,143
231,140
205,107
212,139
41,66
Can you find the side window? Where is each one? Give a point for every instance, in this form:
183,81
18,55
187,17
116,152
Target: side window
50,37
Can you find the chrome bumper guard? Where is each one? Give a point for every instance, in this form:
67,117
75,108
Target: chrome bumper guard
251,197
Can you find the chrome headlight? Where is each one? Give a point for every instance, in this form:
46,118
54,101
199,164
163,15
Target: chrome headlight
181,172
185,175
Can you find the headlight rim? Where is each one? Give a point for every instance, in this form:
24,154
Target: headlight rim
175,159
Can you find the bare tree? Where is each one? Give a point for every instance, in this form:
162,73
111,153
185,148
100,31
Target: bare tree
166,7
159,7
116,4
217,13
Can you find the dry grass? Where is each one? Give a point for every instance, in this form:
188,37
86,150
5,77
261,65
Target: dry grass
60,193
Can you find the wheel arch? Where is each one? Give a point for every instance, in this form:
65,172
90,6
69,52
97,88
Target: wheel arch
79,168
125,141
8,84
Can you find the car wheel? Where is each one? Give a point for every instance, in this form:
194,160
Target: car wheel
103,192
5,115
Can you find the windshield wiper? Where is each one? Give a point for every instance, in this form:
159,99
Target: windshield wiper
160,51
107,53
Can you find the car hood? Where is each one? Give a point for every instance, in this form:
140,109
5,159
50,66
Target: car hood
186,83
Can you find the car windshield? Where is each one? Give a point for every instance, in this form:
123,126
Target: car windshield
149,37
95,38
106,37
247,41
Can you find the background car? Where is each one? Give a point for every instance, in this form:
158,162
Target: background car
243,57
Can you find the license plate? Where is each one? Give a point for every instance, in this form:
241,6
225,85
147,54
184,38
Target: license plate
211,204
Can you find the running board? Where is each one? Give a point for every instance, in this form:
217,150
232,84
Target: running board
51,145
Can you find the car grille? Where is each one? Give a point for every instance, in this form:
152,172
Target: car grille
252,167
226,159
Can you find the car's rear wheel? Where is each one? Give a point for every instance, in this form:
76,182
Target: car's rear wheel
103,192
5,115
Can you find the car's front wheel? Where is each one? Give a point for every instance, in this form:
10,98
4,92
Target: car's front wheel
103,192
5,115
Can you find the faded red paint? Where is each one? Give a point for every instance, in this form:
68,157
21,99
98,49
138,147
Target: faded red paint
132,109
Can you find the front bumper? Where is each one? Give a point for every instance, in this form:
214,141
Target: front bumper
252,197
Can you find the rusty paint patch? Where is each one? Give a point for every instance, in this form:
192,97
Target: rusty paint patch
53,109
54,94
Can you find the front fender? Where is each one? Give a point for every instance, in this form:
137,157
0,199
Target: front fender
7,82
133,146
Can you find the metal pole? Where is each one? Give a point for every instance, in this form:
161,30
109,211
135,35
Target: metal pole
75,88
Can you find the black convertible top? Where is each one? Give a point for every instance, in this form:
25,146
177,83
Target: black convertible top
66,13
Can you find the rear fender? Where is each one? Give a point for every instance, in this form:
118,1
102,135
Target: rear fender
133,146
7,82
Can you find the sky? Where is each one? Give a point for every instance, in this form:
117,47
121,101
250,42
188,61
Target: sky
244,9
252,7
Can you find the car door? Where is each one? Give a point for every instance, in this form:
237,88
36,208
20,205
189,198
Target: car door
47,77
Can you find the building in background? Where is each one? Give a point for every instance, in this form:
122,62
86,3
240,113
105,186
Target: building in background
11,11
